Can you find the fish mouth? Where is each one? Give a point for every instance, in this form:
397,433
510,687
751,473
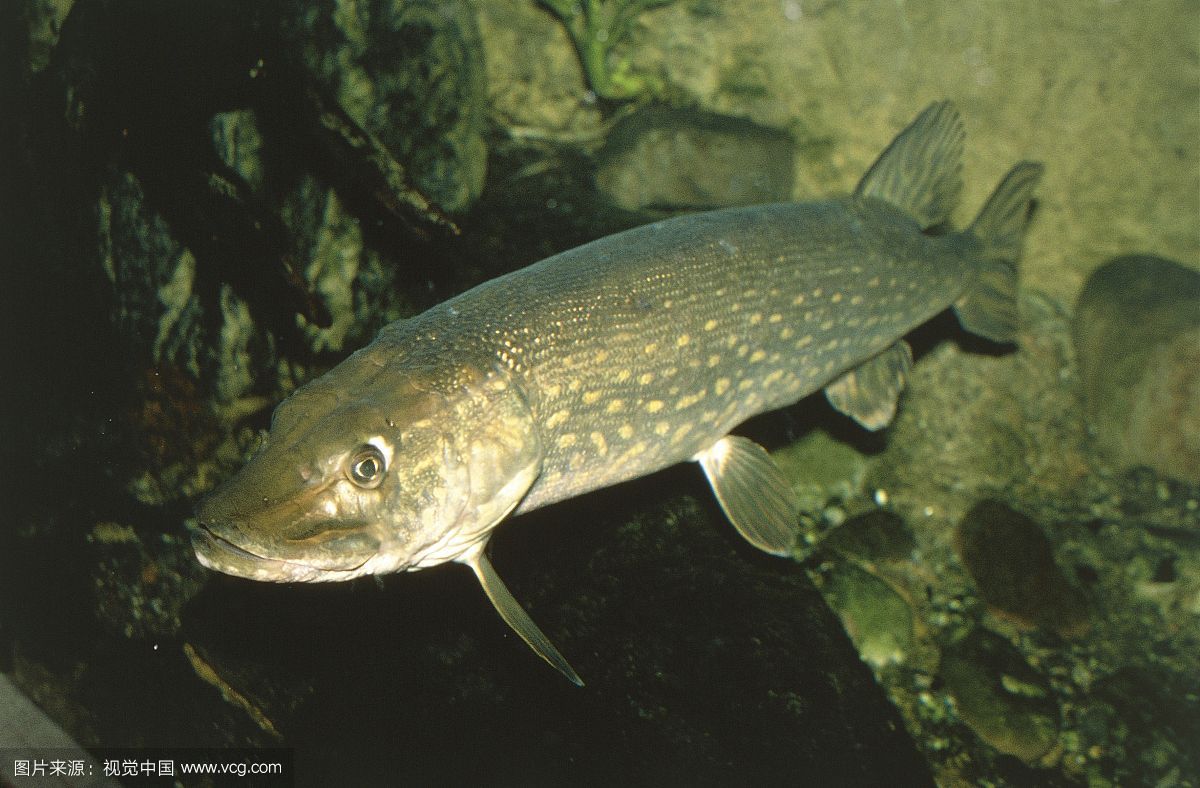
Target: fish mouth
331,555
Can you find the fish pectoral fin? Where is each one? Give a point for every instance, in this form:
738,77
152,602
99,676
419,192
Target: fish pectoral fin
753,492
515,616
869,392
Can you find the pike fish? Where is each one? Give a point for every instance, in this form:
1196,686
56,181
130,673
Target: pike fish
613,360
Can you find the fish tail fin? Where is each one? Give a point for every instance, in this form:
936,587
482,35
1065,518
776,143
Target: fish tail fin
989,308
920,172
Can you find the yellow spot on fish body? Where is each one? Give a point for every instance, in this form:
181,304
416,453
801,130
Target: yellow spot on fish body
590,397
817,293
710,324
625,431
873,281
646,378
713,360
744,385
836,298
615,406
557,418
552,391
721,386
662,428
651,348
575,385
654,406
798,300
683,340
758,355
773,378
567,440
742,350
856,300
631,452
601,356
624,375
681,432
690,399
786,333
828,324
756,318
598,441
775,318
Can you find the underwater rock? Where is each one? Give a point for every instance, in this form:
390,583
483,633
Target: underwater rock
876,618
675,159
1012,564
877,535
1137,336
412,74
1004,700
821,469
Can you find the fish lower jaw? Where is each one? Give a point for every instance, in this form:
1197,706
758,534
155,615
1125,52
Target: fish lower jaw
225,557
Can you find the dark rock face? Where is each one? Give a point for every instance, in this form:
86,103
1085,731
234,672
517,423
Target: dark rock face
705,663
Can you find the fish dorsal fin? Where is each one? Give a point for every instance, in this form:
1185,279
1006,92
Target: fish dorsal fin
753,492
920,172
515,616
868,393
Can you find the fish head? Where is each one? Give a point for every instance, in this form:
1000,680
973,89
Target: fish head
386,476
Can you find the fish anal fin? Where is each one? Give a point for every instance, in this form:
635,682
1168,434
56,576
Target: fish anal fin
753,493
515,616
869,392
920,171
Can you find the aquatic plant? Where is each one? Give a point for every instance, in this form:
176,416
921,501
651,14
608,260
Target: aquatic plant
596,27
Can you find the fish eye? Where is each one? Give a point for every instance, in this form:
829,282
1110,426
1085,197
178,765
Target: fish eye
367,466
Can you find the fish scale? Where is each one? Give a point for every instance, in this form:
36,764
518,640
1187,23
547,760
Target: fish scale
613,360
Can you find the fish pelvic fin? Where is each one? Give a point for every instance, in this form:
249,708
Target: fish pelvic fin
989,307
515,616
753,493
920,172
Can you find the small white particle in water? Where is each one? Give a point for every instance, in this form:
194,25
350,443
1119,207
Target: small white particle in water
881,498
